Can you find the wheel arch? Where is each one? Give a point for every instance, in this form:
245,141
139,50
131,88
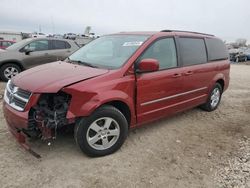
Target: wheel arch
122,107
16,62
222,83
219,78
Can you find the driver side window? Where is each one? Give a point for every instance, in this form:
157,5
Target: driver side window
164,51
39,45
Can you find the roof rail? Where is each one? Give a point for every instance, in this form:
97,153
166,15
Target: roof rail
167,30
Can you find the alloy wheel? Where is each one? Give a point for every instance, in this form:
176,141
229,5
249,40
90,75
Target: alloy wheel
215,97
103,133
10,72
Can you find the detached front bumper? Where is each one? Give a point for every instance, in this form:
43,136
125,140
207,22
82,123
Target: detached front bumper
17,120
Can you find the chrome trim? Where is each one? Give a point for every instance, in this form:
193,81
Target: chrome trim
13,94
172,96
21,98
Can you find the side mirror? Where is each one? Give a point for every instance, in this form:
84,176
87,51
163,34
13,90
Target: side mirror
27,51
148,65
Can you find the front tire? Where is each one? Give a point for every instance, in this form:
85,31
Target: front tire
213,99
8,71
101,133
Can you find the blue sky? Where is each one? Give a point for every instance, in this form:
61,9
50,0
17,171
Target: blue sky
227,19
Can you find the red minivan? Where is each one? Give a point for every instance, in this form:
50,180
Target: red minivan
115,83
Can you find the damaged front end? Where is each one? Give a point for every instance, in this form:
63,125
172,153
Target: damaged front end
48,115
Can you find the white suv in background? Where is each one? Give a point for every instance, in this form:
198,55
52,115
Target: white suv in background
37,35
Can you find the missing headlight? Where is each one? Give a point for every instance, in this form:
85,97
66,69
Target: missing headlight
52,109
48,115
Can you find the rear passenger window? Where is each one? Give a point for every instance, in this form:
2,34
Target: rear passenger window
57,44
193,51
216,49
164,51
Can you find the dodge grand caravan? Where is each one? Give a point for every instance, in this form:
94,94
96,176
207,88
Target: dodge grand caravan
116,83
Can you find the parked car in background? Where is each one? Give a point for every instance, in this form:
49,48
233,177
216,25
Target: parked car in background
116,83
71,36
247,52
6,43
238,57
32,52
49,35
37,35
58,36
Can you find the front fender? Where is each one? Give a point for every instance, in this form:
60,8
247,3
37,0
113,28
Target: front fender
86,103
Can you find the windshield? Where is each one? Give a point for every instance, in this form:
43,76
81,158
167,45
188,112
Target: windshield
109,51
18,45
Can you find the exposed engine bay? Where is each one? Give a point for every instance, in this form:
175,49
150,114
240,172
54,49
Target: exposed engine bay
48,115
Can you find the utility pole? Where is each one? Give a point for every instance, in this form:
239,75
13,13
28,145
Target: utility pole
40,28
53,24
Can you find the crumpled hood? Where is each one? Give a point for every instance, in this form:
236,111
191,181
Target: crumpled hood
52,77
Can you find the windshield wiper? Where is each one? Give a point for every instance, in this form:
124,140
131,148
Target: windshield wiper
87,64
80,62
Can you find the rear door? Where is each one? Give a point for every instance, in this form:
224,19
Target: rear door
157,92
60,50
197,73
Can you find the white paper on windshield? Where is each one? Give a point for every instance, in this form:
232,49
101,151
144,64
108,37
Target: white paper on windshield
134,43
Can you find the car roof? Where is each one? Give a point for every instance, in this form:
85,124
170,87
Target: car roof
48,38
168,33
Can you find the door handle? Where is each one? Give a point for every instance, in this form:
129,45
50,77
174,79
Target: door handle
177,75
188,73
46,54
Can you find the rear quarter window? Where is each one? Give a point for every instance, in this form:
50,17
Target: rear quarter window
192,51
67,45
57,44
216,49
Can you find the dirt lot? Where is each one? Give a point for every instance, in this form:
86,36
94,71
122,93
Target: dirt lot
192,149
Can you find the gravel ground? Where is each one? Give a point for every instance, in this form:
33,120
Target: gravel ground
237,172
191,149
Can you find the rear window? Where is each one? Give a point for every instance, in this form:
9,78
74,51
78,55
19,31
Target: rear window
58,44
216,49
193,51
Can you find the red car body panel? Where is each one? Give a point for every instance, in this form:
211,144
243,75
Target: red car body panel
90,88
16,119
50,78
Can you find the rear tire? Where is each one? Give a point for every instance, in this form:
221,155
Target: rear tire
102,133
8,71
213,99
